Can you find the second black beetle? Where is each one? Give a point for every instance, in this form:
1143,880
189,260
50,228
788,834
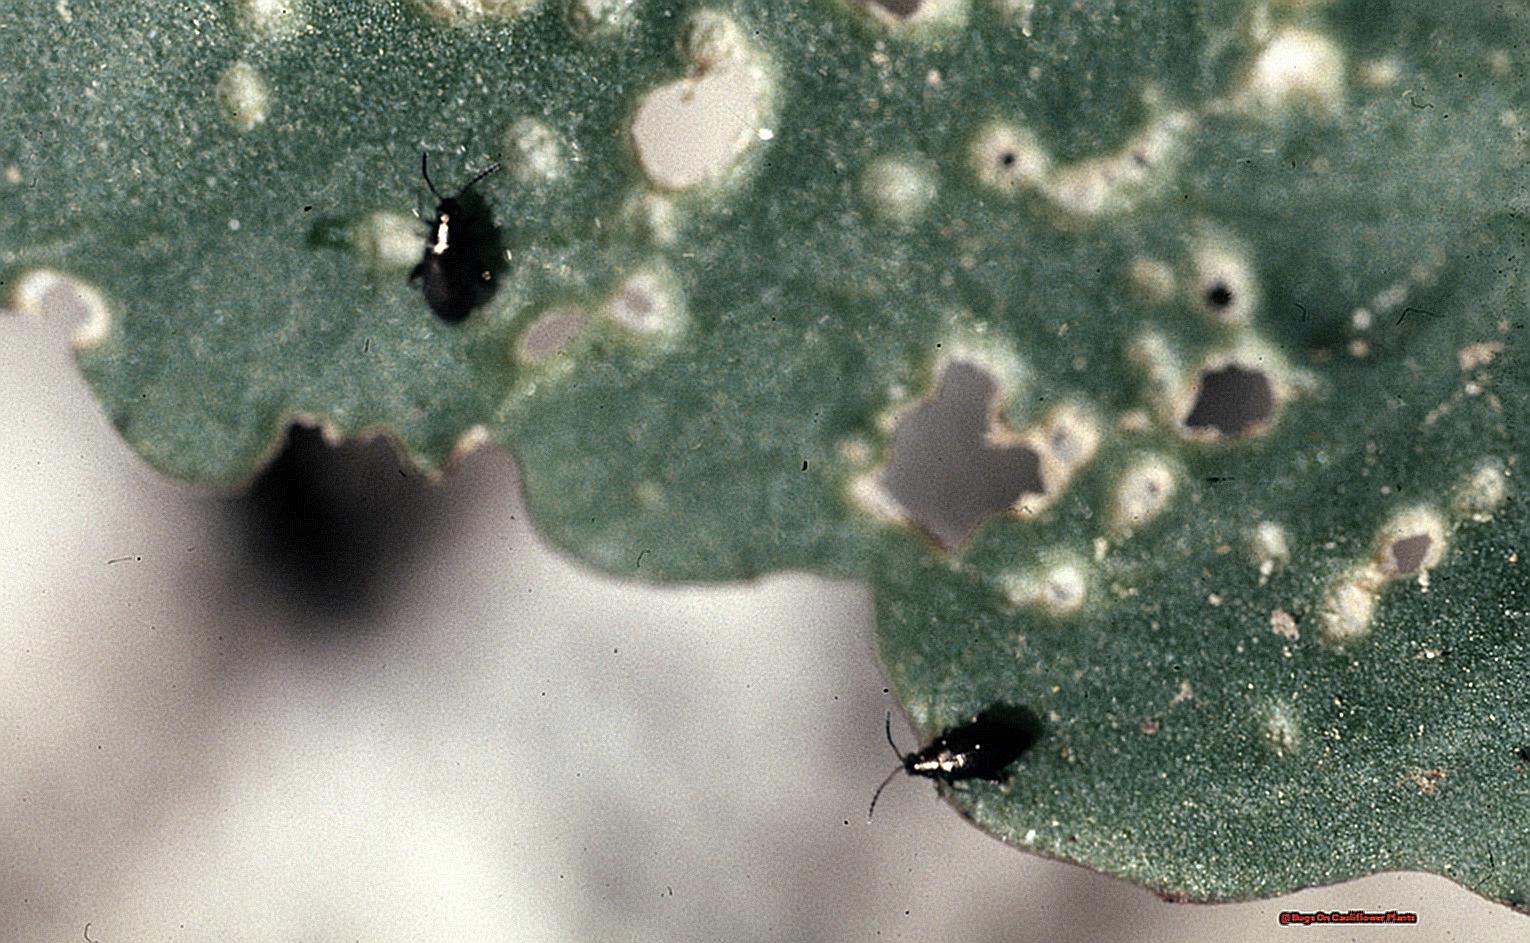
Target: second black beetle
982,749
463,254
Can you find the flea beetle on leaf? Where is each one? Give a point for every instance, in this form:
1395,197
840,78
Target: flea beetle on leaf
463,255
982,749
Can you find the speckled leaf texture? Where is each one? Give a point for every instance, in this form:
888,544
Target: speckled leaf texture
1242,281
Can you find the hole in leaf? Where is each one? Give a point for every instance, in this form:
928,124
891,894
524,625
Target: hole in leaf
1232,400
1412,542
1219,296
691,131
944,471
1409,553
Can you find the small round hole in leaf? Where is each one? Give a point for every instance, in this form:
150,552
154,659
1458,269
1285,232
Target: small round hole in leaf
1219,296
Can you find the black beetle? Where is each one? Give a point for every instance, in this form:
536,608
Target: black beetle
463,254
982,749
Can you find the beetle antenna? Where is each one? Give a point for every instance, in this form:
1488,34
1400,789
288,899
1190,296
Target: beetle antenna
492,167
896,752
425,172
878,794
901,760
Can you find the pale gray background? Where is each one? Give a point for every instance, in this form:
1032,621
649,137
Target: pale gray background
493,745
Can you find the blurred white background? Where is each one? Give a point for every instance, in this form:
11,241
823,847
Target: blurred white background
360,707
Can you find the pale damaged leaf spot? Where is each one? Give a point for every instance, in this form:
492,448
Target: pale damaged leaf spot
1351,601
1150,352
1143,492
389,240
243,97
1009,158
1059,589
1020,11
1270,549
1153,280
550,334
653,217
898,190
471,440
461,11
1480,496
1478,355
1296,68
1114,183
533,152
271,18
712,39
1409,545
1223,286
1281,731
596,17
648,303
1379,73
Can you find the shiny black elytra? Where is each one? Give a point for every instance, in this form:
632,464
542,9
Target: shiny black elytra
463,254
982,749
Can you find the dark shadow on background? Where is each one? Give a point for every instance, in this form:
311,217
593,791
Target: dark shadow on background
333,533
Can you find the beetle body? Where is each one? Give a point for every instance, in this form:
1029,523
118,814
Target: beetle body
982,749
462,253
